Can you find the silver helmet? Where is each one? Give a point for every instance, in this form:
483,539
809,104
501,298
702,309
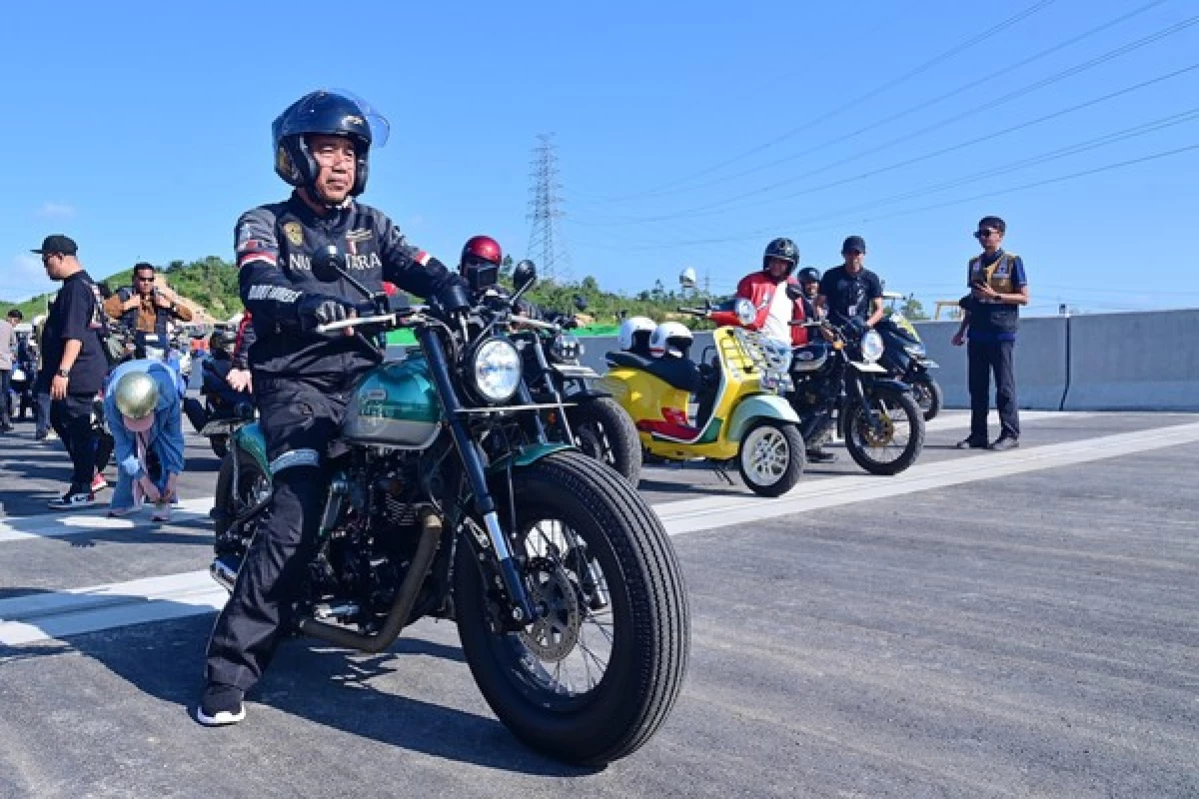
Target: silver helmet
136,395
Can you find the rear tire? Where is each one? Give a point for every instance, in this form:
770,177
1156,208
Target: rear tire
592,680
929,395
605,431
771,457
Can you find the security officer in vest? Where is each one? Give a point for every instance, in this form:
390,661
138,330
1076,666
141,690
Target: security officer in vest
998,287
144,309
302,379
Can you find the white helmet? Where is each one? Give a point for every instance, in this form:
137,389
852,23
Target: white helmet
670,338
635,332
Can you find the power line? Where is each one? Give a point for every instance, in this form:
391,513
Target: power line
840,139
727,204
924,67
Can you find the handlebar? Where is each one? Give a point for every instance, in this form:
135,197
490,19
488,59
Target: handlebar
384,319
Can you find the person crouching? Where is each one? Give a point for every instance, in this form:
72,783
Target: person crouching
141,404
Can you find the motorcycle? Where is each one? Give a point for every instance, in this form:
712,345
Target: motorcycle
741,414
223,409
906,359
578,411
565,588
21,380
838,382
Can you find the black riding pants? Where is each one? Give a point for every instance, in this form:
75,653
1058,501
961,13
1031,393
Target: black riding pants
298,421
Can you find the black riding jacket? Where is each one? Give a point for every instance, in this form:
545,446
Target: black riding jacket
275,245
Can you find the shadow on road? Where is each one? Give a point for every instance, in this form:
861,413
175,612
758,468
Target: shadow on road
333,687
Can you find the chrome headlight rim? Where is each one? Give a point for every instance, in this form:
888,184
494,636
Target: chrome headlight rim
872,346
494,370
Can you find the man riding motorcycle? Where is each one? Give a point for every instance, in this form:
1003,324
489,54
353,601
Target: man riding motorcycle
303,379
767,290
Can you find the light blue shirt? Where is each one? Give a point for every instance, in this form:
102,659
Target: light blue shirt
165,437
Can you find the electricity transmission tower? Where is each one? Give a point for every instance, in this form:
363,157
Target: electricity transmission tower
546,244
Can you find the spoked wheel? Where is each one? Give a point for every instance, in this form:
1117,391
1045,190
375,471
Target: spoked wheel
605,431
594,676
890,442
929,395
771,457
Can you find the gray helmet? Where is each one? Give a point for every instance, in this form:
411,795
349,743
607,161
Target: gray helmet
136,395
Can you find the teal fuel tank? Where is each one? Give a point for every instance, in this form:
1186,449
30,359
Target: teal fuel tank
395,405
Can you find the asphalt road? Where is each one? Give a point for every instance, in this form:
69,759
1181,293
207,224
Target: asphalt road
986,624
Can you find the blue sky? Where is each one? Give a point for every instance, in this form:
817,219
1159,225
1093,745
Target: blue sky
685,134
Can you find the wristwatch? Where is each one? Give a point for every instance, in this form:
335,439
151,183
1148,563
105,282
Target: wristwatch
63,373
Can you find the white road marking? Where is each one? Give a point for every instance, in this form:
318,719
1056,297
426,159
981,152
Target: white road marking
81,522
37,617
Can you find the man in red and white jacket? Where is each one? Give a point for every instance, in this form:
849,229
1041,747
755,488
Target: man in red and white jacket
767,290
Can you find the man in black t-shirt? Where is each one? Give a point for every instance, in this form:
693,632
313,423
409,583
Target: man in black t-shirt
851,291
73,365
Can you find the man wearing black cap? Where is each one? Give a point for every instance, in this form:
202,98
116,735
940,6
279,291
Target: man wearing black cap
73,364
851,291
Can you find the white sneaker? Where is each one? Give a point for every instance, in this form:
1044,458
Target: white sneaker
69,501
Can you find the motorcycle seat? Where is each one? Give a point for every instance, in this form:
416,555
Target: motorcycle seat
682,373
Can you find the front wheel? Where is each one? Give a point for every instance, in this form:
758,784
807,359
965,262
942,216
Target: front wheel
597,673
928,394
234,498
771,457
604,430
892,440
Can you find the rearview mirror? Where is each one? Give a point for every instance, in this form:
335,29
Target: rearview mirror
524,274
580,302
328,265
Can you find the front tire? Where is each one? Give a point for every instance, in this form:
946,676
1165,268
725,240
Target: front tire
232,500
895,443
604,430
594,678
928,394
771,457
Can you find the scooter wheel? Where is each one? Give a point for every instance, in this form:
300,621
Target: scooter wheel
771,457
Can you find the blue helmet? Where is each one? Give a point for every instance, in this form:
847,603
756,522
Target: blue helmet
331,114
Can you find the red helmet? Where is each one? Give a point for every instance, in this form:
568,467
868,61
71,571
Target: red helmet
480,264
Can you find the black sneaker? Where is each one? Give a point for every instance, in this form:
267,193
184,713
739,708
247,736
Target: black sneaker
73,500
972,443
1004,442
221,705
820,456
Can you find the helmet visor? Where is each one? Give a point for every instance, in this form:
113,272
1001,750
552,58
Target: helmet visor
315,113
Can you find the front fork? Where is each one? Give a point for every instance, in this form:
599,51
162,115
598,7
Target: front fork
521,609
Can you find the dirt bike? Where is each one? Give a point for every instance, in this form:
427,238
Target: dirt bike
565,588
740,416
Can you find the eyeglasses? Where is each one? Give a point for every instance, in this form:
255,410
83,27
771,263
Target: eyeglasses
982,234
141,279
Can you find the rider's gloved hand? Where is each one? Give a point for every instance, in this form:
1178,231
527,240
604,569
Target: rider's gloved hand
320,309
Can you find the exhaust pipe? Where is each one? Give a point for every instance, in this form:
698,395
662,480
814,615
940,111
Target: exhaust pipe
401,609
224,572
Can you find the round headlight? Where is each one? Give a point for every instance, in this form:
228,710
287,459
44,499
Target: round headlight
495,370
744,309
872,346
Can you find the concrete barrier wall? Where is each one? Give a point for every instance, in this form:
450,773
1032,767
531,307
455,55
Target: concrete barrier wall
1041,362
1099,362
1134,361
